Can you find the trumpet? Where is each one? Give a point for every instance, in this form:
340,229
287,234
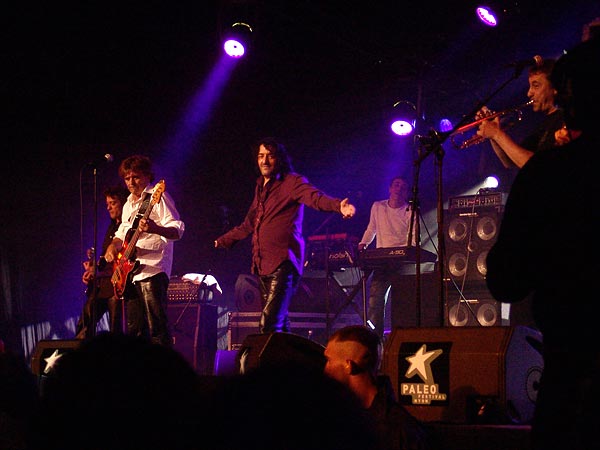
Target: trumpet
476,139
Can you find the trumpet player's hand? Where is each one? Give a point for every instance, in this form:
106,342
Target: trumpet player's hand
483,112
488,129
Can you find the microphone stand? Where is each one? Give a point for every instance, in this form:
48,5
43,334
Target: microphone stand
415,213
190,301
94,260
432,144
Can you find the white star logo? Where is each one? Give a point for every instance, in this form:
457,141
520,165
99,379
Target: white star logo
51,361
420,364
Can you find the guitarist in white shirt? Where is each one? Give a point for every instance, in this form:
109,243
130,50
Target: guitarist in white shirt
144,286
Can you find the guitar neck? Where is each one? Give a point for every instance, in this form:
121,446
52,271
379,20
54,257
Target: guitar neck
134,238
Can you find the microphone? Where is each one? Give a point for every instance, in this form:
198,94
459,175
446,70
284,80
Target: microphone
536,61
106,158
432,138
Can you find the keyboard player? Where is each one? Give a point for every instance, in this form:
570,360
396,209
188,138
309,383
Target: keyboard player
388,227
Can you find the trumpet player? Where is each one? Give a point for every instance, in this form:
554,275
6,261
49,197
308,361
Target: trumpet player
550,133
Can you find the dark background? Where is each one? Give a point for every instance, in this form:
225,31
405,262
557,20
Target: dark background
84,79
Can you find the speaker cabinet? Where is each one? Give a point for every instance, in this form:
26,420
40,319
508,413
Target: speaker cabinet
469,235
275,350
404,301
477,312
193,328
47,354
449,374
475,308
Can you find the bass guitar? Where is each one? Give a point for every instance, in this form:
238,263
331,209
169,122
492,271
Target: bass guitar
126,264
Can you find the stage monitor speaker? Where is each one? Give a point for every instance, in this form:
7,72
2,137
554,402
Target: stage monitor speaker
276,350
47,354
247,294
465,375
193,328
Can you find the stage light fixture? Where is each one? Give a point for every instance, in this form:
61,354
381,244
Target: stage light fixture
404,118
236,39
491,182
487,15
493,12
445,125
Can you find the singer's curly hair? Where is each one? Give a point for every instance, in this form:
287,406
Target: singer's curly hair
283,162
137,163
545,67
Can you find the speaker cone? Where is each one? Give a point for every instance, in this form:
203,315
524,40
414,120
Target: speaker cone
457,264
458,315
486,228
457,231
481,263
487,315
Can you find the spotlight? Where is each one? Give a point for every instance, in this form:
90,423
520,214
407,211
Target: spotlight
491,182
236,39
494,12
404,118
487,15
489,185
445,125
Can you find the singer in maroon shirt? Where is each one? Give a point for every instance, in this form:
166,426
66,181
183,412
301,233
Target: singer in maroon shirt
275,222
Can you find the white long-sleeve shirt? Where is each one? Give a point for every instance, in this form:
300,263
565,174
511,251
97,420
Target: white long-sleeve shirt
389,225
154,252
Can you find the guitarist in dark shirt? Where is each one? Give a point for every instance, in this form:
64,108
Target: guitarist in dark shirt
104,299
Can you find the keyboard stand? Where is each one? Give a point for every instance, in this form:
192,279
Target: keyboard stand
360,286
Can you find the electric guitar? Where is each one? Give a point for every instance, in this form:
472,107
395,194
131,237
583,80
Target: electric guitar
100,269
126,264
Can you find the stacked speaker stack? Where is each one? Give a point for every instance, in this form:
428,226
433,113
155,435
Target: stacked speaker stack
471,227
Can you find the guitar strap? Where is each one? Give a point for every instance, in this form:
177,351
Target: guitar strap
142,210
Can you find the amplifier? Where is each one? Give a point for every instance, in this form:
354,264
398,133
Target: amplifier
193,288
180,291
193,328
486,200
312,326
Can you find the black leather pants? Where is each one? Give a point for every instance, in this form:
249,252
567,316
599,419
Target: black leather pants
146,314
277,290
103,302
